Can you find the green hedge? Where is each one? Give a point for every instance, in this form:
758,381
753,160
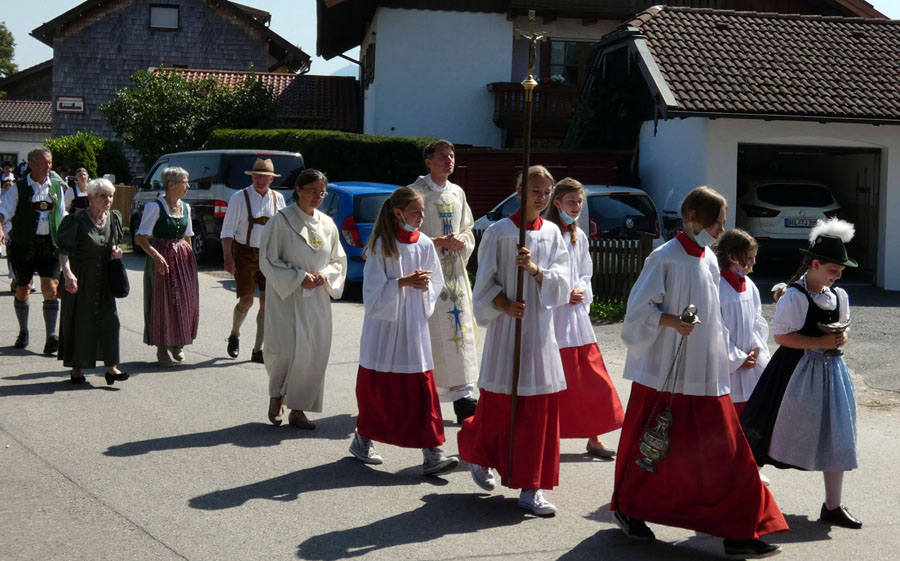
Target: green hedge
87,150
341,156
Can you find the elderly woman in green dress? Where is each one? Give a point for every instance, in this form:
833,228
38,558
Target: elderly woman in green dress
90,324
171,293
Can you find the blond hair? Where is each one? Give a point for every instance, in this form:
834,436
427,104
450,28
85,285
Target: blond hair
562,188
535,172
385,227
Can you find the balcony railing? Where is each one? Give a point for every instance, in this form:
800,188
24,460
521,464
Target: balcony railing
551,109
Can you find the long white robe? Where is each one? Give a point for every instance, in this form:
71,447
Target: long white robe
541,370
395,329
453,331
670,280
573,323
746,329
298,320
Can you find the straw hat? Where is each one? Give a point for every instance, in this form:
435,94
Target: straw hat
263,167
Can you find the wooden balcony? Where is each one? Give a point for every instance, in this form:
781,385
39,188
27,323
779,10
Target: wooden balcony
551,110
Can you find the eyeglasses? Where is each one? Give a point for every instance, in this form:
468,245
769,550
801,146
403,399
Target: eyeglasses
319,194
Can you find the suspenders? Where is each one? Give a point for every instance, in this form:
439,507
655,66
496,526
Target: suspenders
253,221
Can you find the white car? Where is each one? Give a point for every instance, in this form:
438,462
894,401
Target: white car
780,213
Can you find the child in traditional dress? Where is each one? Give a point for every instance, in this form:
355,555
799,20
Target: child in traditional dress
589,406
707,482
395,391
484,440
803,412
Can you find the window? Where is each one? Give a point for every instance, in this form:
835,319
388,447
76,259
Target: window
794,194
570,59
366,207
163,17
201,168
155,182
287,166
622,216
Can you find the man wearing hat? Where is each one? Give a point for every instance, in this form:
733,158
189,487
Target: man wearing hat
248,211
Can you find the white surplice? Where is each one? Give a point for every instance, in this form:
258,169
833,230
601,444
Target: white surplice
395,329
453,336
670,281
745,329
541,370
298,320
573,323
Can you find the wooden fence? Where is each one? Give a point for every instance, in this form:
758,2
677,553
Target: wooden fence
617,264
122,202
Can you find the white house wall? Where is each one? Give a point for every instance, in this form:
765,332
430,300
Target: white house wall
431,74
697,151
21,142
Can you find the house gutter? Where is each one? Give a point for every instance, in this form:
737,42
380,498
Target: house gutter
674,113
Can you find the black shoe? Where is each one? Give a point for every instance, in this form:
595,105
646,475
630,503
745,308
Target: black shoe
257,356
52,345
113,378
749,549
634,529
839,516
234,345
76,379
21,340
464,408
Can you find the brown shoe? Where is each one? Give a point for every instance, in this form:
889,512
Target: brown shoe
603,451
162,357
298,419
276,411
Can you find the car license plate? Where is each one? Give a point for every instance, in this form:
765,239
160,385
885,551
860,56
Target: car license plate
799,222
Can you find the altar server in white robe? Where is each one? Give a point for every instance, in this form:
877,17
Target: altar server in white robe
708,481
305,266
395,391
448,222
484,440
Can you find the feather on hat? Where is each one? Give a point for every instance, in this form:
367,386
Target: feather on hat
827,239
832,227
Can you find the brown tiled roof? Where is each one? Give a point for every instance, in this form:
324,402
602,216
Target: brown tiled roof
304,101
25,115
772,65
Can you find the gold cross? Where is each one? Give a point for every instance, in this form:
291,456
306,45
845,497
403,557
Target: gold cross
533,39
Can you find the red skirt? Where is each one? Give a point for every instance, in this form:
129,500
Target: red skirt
171,301
589,406
739,408
484,439
708,482
399,409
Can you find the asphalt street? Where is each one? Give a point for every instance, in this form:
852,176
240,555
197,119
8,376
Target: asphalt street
181,463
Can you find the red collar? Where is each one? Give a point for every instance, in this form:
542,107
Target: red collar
516,217
691,247
739,284
407,237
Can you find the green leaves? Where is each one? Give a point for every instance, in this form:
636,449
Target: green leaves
87,150
7,50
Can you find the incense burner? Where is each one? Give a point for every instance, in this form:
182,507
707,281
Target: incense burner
836,327
655,442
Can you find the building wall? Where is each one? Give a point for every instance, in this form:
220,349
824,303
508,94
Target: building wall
96,54
681,157
21,142
563,29
431,74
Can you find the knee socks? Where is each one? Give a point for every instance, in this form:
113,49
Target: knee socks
834,483
237,320
260,325
21,307
51,313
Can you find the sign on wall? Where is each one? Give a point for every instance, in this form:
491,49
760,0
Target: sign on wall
69,104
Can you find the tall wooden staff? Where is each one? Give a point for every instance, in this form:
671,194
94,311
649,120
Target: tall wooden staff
529,84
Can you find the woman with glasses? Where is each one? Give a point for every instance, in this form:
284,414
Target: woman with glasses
301,256
171,293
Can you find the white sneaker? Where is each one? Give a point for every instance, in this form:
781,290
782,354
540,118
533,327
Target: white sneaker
765,480
533,500
436,462
483,477
364,451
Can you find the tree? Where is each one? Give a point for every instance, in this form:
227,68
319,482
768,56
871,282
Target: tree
164,112
87,150
7,50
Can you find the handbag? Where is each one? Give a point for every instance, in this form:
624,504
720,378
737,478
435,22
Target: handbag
117,277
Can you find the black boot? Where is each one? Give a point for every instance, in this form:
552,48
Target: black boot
464,408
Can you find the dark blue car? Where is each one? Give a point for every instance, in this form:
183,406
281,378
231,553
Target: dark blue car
353,205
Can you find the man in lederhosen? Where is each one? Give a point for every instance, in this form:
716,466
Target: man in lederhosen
35,207
248,211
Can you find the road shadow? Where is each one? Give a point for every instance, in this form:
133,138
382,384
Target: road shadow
248,435
90,373
344,473
611,545
54,386
802,529
439,516
583,457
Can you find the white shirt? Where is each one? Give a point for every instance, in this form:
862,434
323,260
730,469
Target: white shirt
73,192
745,329
235,223
670,280
573,323
41,192
790,311
151,215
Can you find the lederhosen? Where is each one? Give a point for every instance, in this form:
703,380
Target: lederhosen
246,258
28,251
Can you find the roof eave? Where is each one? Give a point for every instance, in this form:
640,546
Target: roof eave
824,119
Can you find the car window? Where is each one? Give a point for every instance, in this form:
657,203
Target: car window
328,205
155,182
201,168
622,216
510,206
794,194
287,166
366,207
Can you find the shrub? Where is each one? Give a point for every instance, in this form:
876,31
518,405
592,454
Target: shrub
89,151
341,156
607,312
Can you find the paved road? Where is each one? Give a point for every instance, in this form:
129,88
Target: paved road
181,464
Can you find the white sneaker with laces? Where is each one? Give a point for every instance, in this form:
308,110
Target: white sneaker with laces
533,500
483,477
765,480
436,462
364,451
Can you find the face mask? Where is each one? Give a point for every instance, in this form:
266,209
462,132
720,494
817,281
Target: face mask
566,218
704,238
407,227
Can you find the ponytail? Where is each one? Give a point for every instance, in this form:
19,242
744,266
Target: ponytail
385,227
779,289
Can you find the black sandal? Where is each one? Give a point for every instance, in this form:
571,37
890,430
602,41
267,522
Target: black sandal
76,379
113,378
